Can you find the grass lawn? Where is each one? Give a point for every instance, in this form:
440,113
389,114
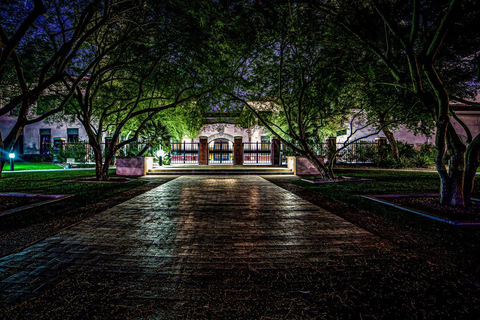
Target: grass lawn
31,166
385,182
52,183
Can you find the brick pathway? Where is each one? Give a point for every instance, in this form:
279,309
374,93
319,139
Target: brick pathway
222,247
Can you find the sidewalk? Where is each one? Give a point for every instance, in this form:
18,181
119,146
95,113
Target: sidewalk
222,247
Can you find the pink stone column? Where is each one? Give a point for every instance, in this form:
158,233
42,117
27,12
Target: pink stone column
275,156
203,151
238,151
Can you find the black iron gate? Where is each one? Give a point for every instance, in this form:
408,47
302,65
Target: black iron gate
257,153
184,153
220,151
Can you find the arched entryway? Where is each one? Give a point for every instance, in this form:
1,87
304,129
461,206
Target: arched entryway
220,151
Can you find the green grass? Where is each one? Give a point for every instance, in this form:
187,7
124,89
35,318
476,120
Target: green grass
31,166
52,183
385,182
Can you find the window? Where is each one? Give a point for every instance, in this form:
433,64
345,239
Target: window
265,141
72,135
45,140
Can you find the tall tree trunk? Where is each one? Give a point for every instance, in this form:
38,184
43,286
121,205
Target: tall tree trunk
2,155
328,174
97,151
452,190
440,143
109,155
2,164
392,141
330,163
471,165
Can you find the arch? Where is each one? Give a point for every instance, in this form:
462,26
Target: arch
221,136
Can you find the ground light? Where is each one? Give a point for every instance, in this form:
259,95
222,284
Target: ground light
160,154
12,158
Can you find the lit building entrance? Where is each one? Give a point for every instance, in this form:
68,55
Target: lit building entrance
220,151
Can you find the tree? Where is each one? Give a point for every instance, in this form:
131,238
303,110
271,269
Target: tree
298,83
427,47
39,42
164,63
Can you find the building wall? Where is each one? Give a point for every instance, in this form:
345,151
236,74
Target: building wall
31,133
470,118
229,131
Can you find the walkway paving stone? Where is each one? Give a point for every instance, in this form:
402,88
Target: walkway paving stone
219,247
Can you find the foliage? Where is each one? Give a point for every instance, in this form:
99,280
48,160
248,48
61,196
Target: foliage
294,83
129,93
77,151
41,42
423,45
166,159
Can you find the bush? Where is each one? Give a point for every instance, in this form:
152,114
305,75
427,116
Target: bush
77,151
390,162
421,160
166,160
406,150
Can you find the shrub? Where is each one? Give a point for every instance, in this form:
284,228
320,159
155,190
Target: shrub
390,162
421,160
406,150
77,150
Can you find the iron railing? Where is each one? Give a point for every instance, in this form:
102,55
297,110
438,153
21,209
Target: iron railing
257,153
220,152
184,153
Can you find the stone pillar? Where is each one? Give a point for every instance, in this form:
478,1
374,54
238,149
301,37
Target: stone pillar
203,151
275,150
238,151
381,147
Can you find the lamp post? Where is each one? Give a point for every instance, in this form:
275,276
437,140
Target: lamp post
160,154
12,157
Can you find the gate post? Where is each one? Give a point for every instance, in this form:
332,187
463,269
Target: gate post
203,151
238,151
275,157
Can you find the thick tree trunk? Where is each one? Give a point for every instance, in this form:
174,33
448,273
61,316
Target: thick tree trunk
330,163
2,164
456,182
106,166
452,181
440,143
99,173
314,160
392,141
471,165
328,174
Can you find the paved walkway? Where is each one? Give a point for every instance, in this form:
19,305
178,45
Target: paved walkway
221,247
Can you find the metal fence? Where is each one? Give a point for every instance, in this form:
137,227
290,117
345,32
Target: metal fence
82,151
184,153
220,152
357,152
257,153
